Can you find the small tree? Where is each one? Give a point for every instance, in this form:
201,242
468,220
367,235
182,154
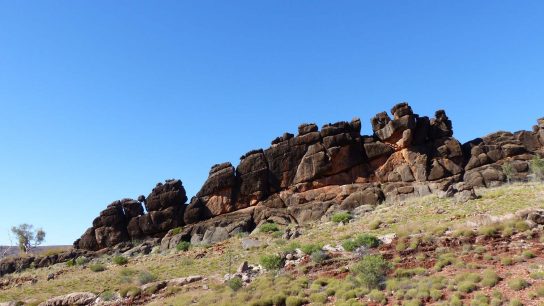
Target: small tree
27,237
508,171
537,167
6,251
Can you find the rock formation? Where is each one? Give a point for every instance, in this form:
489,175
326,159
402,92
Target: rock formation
303,178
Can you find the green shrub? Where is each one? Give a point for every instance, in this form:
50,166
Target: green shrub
81,260
479,299
107,296
183,246
370,271
407,273
537,275
539,291
377,296
129,291
443,261
271,262
235,283
310,248
366,240
319,256
269,227
436,295
507,261
97,267
490,278
536,167
369,241
518,284
319,298
291,247
177,231
467,286
341,217
120,260
294,301
515,302
145,277
374,225
528,254
71,263
279,299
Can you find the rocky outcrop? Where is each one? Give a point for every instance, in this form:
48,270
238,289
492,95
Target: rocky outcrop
306,177
76,298
125,220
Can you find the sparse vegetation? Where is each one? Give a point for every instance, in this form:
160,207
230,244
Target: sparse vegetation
97,267
183,246
269,228
120,260
341,217
370,271
235,283
271,262
518,284
409,279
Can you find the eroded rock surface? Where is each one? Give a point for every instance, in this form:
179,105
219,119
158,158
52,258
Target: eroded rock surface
306,177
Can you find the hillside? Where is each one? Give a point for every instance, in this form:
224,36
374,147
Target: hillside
440,251
405,216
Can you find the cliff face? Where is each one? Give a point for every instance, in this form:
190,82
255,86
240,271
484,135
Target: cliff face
303,178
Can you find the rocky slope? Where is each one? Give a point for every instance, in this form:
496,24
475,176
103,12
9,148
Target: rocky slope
303,178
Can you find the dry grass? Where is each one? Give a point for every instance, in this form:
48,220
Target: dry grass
411,216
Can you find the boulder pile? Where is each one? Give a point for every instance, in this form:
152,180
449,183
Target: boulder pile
303,178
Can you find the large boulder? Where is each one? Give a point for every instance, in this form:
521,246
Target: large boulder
72,299
253,175
169,194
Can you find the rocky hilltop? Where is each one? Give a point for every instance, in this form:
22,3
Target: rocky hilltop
306,177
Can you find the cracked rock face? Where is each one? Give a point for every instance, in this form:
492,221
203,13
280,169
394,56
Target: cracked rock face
303,178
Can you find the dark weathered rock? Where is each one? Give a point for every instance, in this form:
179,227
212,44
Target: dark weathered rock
169,194
304,178
253,176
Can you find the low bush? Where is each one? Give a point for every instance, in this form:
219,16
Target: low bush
467,286
97,267
319,298
377,296
507,261
294,301
528,254
374,225
120,260
319,256
235,283
490,279
366,240
539,291
183,246
271,262
176,231
81,260
130,292
343,217
107,296
515,302
518,284
308,249
402,272
145,277
371,270
269,227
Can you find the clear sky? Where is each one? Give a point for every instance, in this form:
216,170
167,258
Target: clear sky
100,100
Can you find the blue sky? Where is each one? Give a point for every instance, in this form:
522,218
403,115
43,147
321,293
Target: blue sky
100,100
